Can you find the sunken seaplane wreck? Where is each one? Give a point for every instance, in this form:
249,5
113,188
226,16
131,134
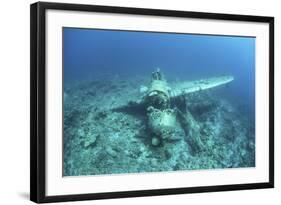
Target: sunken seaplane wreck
163,114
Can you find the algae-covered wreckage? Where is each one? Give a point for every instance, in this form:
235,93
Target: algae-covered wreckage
111,126
163,115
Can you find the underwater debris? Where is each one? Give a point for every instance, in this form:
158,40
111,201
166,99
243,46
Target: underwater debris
162,123
192,131
164,120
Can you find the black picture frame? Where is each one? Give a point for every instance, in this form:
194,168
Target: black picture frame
38,101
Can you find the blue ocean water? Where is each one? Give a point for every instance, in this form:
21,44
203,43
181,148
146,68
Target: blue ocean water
91,53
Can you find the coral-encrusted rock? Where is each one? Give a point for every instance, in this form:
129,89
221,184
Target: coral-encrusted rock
90,140
155,141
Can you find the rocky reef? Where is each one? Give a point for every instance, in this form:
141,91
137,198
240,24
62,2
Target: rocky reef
101,140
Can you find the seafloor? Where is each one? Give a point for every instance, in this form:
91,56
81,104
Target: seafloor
98,139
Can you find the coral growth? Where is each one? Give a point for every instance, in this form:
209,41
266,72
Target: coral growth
98,140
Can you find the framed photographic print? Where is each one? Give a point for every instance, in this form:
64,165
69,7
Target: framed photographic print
129,102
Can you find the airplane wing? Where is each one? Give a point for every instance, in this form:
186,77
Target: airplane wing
131,107
183,88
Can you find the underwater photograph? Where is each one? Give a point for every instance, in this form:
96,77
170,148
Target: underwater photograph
142,102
